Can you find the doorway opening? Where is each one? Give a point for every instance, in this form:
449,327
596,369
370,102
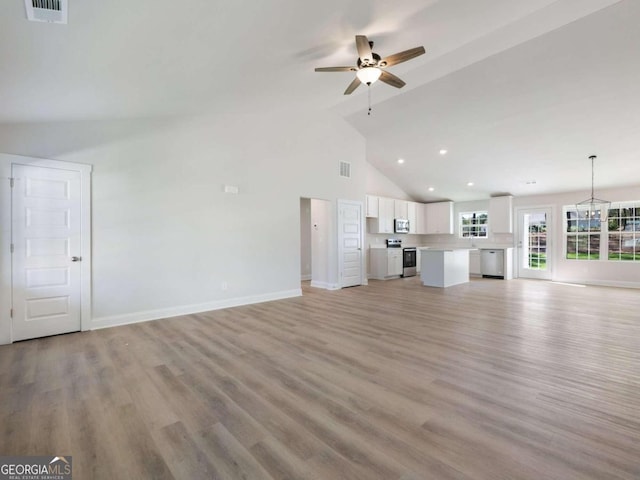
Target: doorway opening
315,234
331,255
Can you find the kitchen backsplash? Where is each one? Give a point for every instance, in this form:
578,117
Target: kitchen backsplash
379,239
504,240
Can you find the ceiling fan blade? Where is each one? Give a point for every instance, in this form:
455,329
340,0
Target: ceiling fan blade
401,57
391,79
336,69
352,86
364,49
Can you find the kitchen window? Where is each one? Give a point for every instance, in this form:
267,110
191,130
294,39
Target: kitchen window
474,224
616,239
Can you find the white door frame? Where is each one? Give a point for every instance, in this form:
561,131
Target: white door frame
6,161
551,252
340,249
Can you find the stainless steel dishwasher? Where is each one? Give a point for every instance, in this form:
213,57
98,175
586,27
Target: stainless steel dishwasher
492,263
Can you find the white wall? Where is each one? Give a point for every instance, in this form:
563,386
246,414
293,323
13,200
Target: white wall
305,239
166,237
379,184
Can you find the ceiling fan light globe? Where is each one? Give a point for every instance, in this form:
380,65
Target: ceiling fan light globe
368,75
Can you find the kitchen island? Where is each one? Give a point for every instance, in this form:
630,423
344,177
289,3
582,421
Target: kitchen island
444,267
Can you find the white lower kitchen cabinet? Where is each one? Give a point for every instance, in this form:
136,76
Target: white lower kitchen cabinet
474,263
394,263
385,263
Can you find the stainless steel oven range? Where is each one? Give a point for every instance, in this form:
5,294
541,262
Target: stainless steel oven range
409,262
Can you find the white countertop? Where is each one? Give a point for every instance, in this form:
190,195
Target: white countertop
376,246
444,249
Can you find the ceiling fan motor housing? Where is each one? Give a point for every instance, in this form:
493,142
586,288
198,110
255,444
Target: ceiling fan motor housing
373,63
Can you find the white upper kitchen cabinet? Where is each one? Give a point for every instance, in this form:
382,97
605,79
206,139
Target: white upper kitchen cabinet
372,206
501,214
412,216
439,217
384,221
400,208
421,219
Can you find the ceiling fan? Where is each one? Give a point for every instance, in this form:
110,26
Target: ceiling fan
371,67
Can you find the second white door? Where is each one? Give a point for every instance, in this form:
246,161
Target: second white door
350,243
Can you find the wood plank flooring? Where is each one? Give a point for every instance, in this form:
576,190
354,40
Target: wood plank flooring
488,380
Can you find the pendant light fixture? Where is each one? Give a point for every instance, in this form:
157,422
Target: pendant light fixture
593,207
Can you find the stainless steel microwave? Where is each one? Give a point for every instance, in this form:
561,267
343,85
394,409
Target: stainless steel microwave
401,225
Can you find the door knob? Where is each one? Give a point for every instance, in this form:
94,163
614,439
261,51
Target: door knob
76,259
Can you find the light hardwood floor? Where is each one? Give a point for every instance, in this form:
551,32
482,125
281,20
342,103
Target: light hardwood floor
488,380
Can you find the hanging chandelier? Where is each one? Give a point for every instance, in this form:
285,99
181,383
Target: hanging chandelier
593,207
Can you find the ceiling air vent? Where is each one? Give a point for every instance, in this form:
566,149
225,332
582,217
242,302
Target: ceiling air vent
50,11
345,169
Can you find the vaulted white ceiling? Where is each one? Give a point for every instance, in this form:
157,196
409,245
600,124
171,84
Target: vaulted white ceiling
515,90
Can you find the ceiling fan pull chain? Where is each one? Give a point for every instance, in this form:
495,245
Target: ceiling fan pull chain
369,95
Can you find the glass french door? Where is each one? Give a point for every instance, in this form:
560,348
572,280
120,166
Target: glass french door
534,239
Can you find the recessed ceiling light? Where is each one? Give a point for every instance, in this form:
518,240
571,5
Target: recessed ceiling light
469,184
401,161
431,189
443,151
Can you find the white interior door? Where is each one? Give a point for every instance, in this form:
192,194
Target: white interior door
534,243
46,238
350,243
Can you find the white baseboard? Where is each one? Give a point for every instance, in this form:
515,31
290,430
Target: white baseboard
602,283
325,285
305,278
145,316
